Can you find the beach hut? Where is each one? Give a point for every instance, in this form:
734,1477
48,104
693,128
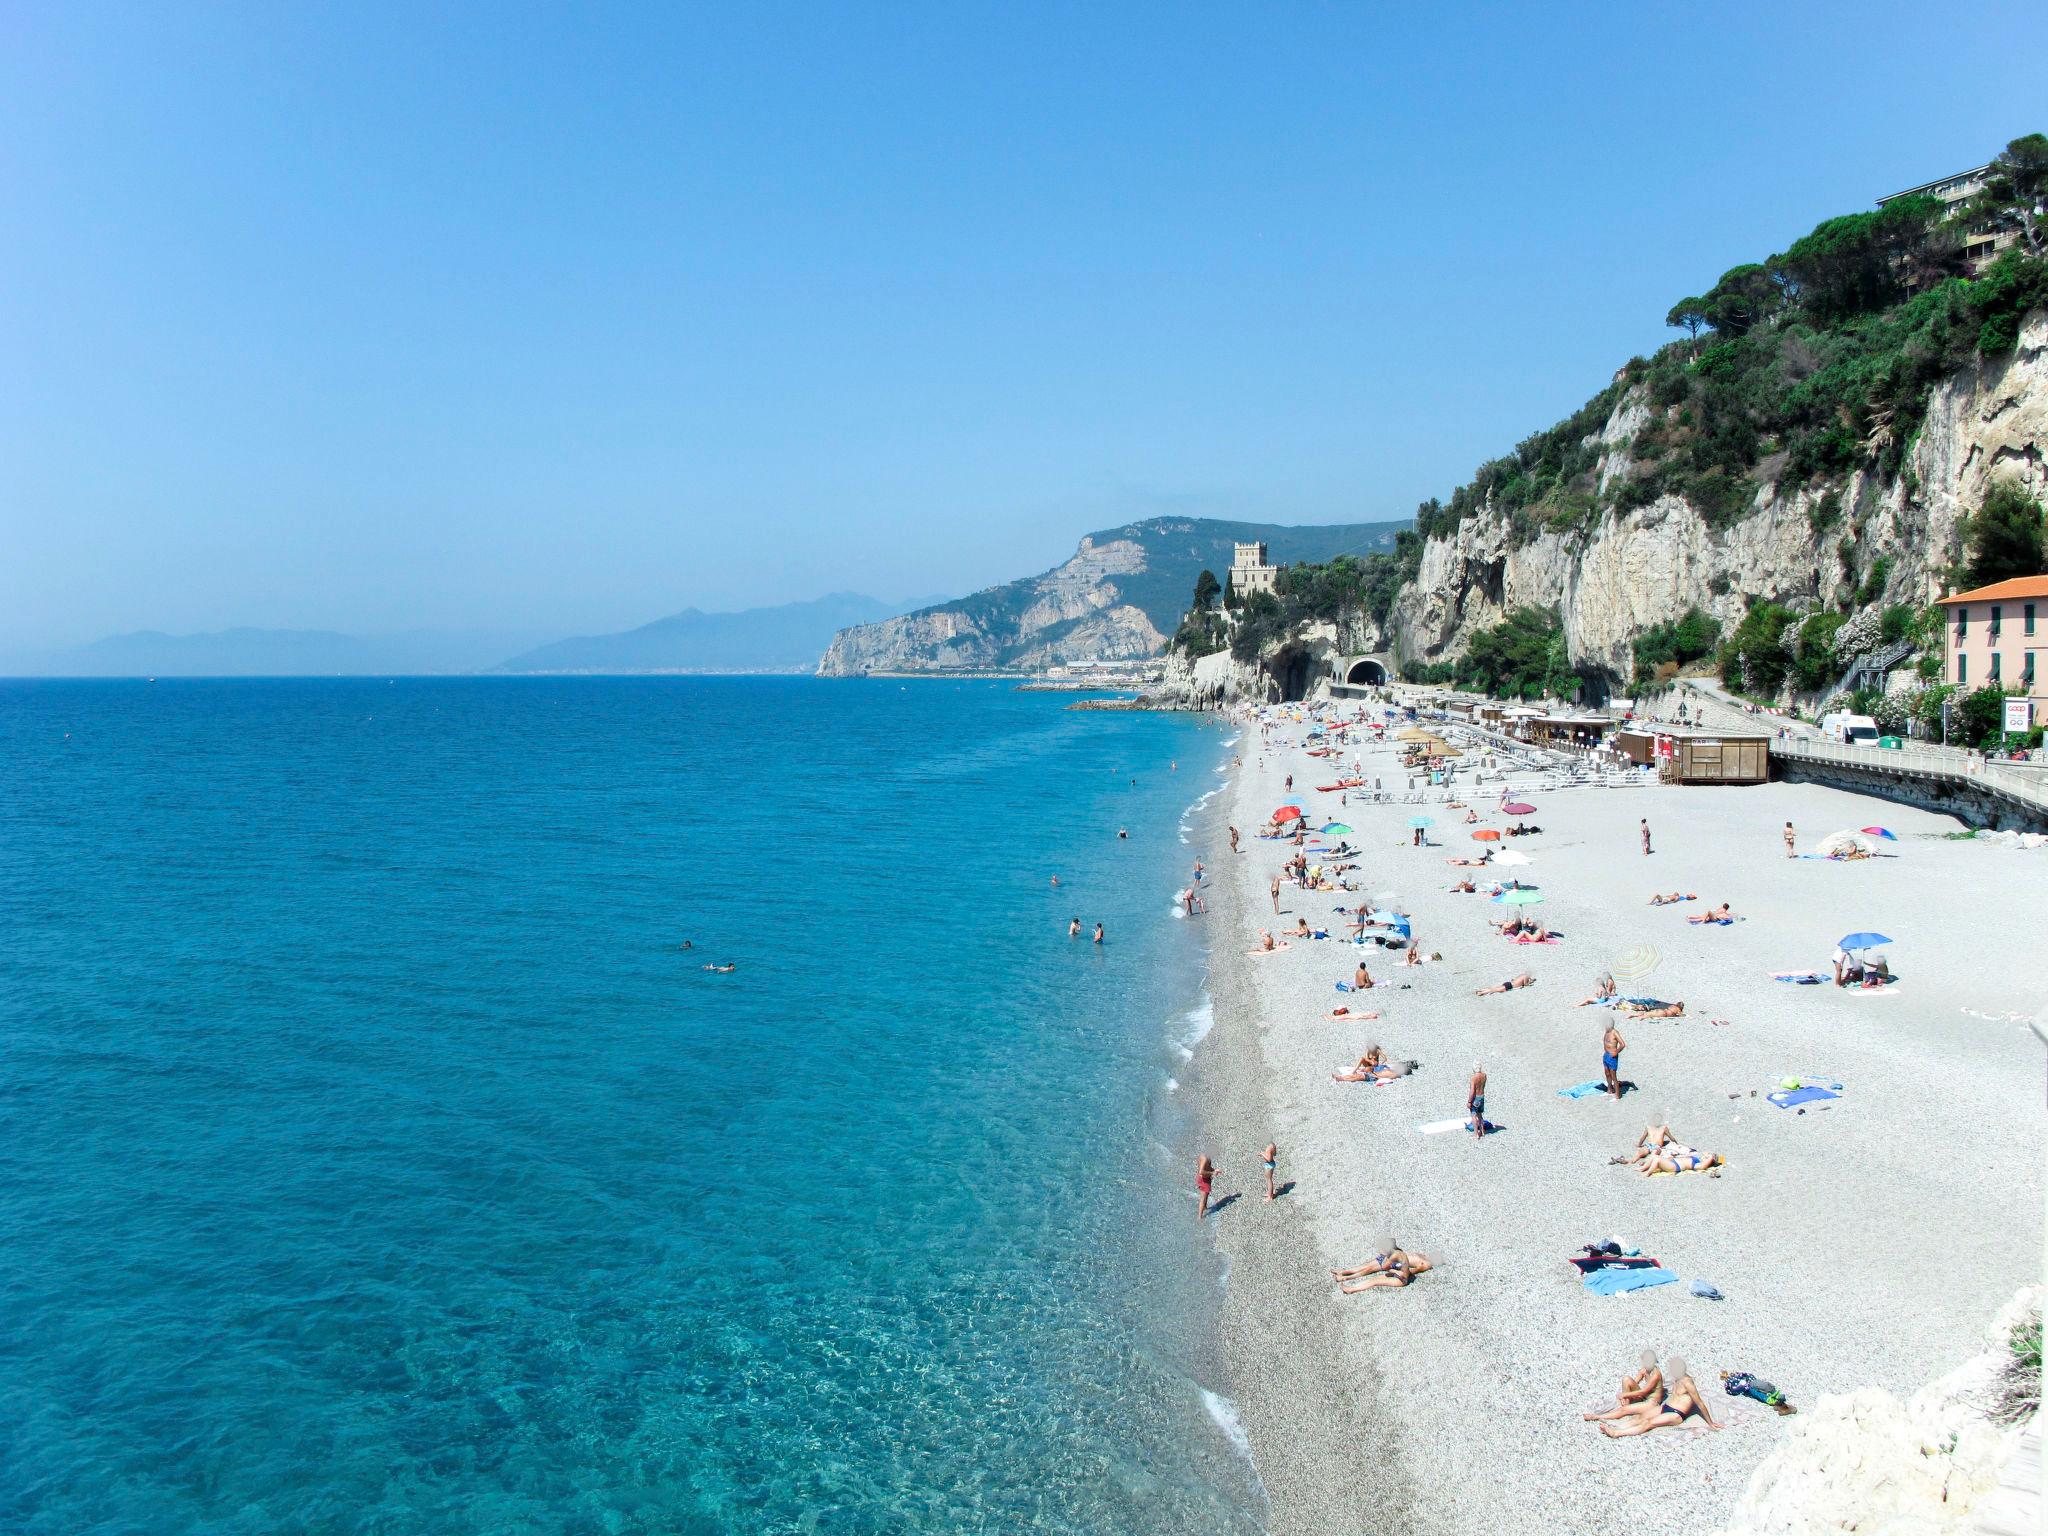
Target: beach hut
1703,756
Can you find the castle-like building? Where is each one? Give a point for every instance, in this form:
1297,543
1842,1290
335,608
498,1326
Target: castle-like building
1249,571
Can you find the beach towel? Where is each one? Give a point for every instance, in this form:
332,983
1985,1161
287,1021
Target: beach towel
1438,1127
1582,1090
1614,1282
1800,978
1523,938
1792,1098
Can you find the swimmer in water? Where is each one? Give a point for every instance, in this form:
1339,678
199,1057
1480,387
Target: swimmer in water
1098,933
1074,929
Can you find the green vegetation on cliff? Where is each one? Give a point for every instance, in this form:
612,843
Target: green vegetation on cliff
1522,657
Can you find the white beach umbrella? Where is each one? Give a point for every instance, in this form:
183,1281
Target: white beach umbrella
1512,856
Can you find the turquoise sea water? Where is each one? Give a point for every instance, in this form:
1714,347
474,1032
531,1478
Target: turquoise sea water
373,1158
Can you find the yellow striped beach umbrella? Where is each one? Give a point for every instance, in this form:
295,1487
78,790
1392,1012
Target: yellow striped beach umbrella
1635,964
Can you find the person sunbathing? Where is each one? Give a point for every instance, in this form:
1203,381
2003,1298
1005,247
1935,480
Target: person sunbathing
1344,1014
1373,1067
1510,985
1674,1158
1464,887
1266,944
1675,896
1644,1384
1414,954
1681,1400
1719,914
1383,1249
1603,992
1303,931
1471,816
1478,863
1397,1267
1651,1008
1648,1144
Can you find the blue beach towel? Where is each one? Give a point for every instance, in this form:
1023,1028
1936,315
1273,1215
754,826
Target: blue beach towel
1799,978
1582,1090
1612,1282
1792,1098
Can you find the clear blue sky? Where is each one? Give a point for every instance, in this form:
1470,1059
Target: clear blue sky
563,318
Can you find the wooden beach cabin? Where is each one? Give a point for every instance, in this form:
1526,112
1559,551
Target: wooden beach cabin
1698,755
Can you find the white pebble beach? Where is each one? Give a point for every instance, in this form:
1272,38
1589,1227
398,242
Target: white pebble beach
1863,1243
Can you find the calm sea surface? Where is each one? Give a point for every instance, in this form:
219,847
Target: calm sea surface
373,1157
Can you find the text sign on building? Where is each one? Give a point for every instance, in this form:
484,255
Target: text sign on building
2019,715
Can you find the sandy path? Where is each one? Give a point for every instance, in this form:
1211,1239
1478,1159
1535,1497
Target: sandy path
1864,1245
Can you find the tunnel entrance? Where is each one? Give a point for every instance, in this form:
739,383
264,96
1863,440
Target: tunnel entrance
1367,673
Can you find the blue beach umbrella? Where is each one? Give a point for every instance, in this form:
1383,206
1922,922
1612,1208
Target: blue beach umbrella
1421,821
1855,941
1881,832
1337,826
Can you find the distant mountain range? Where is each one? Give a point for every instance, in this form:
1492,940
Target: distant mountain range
788,638
1119,597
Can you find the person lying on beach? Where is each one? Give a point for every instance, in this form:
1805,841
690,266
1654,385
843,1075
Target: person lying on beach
1719,914
1674,1158
1478,863
1644,1384
1653,1139
1464,887
1665,901
1366,1069
1603,992
1679,1401
1396,1268
1345,1015
1650,1008
1267,946
1510,985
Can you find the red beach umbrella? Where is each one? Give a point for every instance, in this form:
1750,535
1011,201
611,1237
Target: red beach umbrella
1288,813
1486,835
1518,808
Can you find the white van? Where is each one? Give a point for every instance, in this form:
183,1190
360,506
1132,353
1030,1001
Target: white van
1850,729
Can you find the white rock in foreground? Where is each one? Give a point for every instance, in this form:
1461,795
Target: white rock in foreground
1868,1463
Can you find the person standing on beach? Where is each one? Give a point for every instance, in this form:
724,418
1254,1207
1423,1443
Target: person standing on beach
1475,1100
1205,1180
1233,840
1276,894
1646,837
1272,1161
1791,851
1611,1047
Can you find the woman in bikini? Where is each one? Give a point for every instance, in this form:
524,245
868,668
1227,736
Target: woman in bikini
1642,1385
1396,1268
1681,1400
1673,1158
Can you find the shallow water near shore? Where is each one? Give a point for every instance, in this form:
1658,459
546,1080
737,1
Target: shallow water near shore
373,1157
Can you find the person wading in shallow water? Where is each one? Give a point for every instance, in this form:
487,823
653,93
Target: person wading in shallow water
1098,933
1205,1180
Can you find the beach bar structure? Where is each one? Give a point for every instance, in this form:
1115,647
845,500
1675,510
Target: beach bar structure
1566,730
1698,754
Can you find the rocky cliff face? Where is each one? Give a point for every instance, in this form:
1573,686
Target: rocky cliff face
1073,612
1117,599
1630,570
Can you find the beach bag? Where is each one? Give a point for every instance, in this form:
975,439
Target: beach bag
1742,1384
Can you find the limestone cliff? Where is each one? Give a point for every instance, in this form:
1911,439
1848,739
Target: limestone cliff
1628,570
1117,599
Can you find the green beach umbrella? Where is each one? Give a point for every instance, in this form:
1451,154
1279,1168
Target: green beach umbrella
1519,898
1337,826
